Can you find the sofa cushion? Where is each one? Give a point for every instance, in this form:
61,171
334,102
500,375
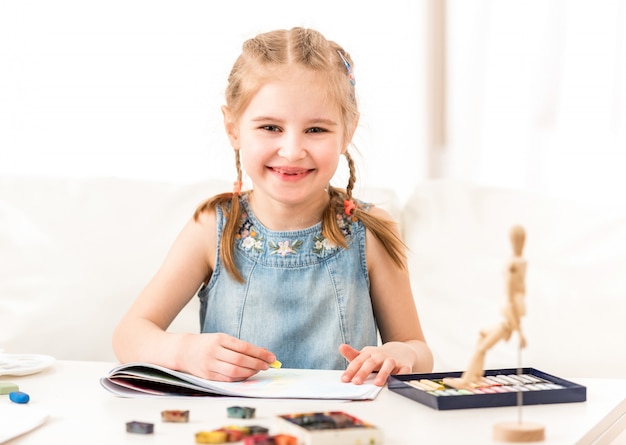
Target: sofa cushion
576,285
74,253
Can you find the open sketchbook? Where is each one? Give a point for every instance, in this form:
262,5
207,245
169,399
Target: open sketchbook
143,379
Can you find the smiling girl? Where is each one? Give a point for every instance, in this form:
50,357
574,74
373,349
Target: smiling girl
294,269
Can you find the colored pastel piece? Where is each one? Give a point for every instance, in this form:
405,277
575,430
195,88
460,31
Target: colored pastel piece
507,379
418,385
431,384
211,437
257,429
488,390
8,387
244,429
285,439
495,381
139,427
175,415
240,412
439,392
258,439
19,397
233,435
276,364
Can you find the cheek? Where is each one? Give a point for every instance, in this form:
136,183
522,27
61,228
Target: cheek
332,153
328,160
254,156
333,165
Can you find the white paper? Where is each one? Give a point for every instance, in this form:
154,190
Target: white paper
16,420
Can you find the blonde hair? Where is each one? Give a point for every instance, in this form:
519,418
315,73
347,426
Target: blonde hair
259,61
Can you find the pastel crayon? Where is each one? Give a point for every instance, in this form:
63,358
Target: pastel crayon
418,385
507,379
19,397
432,384
8,387
139,427
494,381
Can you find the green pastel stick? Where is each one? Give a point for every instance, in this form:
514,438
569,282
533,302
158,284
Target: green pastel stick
7,387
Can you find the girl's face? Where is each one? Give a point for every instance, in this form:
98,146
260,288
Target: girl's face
290,136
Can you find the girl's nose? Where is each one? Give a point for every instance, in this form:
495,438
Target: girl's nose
292,148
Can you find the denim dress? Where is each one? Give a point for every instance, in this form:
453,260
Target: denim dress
301,297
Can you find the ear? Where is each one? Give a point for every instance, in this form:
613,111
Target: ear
350,133
230,127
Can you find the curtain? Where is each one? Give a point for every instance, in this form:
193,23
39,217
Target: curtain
536,96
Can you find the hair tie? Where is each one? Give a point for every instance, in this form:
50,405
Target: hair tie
349,206
237,187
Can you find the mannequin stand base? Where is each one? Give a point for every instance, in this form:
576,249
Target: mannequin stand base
518,432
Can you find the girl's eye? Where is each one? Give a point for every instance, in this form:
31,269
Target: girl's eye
270,128
316,130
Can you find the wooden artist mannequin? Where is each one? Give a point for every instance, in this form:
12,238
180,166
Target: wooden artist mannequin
513,311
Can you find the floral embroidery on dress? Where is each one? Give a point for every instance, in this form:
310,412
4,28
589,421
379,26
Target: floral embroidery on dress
345,224
321,245
250,239
283,248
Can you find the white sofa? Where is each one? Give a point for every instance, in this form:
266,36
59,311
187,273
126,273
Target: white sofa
74,253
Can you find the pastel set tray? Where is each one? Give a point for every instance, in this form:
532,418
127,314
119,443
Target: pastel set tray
500,387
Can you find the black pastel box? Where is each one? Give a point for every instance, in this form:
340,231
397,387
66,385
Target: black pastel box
500,387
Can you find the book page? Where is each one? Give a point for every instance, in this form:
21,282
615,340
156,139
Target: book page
139,378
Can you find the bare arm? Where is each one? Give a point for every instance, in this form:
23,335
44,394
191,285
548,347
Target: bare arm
404,348
141,334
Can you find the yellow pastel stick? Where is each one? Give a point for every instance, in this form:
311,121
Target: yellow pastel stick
276,364
211,436
418,385
431,384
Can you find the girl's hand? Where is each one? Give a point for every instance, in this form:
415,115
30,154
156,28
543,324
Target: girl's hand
371,359
221,357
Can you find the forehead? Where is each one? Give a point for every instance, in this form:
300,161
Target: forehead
293,91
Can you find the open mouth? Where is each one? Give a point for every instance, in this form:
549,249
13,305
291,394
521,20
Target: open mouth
283,171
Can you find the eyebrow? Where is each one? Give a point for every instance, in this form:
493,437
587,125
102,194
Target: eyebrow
320,120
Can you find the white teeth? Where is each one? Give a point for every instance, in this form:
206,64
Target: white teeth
288,172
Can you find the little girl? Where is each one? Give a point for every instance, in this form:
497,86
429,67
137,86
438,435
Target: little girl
293,269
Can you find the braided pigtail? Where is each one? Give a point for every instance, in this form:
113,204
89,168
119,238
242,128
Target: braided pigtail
227,249
330,228
233,216
382,229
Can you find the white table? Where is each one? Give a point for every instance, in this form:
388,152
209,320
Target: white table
82,412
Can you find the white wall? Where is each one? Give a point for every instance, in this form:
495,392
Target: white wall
133,88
